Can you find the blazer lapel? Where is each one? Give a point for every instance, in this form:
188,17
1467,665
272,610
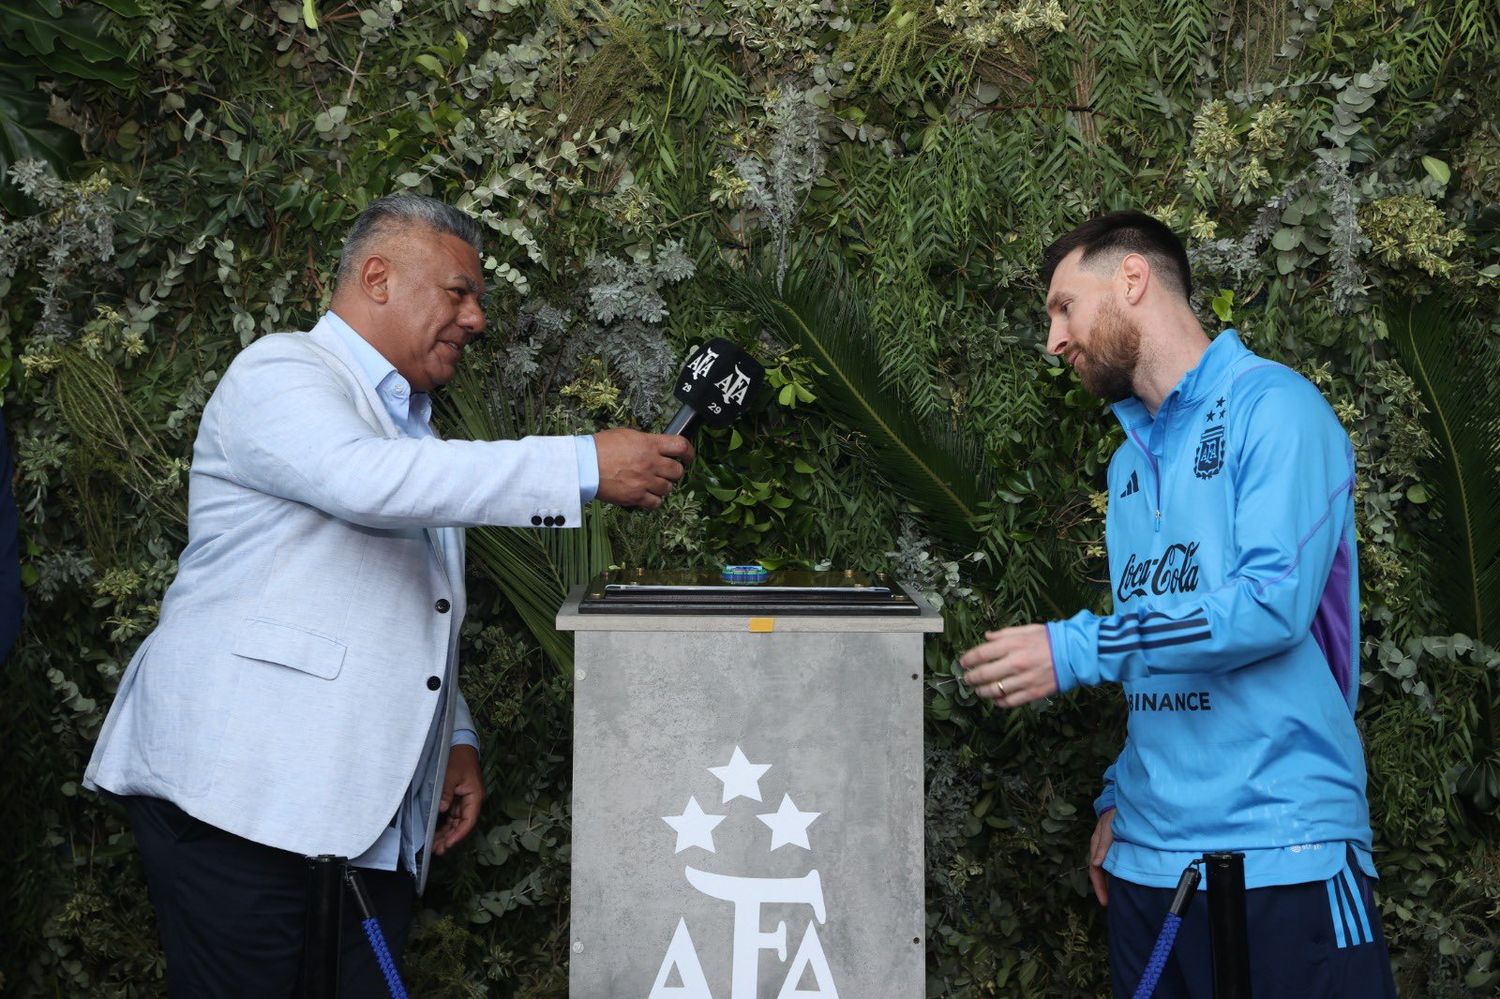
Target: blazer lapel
347,368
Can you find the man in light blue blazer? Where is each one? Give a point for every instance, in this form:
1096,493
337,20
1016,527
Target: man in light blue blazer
299,696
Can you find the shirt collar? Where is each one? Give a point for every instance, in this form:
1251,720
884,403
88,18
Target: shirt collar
395,392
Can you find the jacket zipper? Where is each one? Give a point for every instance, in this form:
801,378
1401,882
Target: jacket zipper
1155,476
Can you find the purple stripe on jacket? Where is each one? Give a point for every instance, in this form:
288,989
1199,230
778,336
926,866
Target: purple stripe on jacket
1331,626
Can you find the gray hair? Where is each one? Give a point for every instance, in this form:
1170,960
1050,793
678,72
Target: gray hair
397,213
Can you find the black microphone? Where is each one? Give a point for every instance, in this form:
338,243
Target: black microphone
714,387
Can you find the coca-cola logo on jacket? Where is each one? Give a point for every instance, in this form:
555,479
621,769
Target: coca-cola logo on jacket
1176,571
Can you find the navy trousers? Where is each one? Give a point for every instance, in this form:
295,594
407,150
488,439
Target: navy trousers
232,913
1319,940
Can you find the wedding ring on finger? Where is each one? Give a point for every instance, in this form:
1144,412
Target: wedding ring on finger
999,690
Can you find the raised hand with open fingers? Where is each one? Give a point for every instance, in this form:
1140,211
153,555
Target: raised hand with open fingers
1012,667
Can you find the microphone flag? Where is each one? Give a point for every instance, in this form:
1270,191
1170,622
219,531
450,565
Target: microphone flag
716,384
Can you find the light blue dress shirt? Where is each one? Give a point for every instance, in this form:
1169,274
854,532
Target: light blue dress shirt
412,412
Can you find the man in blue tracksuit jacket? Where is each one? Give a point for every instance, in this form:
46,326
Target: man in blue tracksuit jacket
1234,636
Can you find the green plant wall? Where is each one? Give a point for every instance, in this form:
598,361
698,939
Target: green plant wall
856,191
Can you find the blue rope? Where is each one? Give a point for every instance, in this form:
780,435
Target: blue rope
1159,955
384,959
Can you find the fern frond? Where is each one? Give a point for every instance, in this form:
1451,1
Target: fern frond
104,420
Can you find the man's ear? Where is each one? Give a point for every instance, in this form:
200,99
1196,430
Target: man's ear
374,278
1135,273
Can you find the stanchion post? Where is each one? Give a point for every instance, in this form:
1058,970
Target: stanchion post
1228,926
320,953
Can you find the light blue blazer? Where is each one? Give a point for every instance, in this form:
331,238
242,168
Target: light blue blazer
310,635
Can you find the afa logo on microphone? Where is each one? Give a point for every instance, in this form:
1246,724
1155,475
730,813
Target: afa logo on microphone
733,388
701,365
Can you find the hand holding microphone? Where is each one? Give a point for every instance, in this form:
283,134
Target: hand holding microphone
638,469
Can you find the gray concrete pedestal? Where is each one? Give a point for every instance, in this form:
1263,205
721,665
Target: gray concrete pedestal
747,806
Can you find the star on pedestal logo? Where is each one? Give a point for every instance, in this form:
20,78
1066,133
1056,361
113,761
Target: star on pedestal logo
693,827
740,777
681,973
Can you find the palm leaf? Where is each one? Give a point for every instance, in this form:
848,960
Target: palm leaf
517,562
1458,374
533,568
938,469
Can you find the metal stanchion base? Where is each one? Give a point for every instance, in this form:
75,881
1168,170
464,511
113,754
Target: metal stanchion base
325,912
1228,926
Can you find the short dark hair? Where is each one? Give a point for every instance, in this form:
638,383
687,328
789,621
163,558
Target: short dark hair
1125,232
399,212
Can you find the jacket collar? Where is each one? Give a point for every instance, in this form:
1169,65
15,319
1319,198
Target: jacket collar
1216,361
1202,379
326,335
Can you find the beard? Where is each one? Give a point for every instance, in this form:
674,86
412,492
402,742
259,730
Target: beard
1107,366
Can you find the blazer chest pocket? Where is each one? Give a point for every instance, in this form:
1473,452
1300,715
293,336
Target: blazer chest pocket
286,645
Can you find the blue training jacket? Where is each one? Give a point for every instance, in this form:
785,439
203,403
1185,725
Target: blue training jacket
1235,631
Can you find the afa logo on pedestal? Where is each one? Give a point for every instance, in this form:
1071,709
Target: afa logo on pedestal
808,975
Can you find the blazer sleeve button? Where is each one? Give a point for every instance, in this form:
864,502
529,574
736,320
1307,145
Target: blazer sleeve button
433,683
442,606
536,520
561,520
550,521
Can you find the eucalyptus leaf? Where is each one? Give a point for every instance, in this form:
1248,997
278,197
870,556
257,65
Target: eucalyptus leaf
1436,169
